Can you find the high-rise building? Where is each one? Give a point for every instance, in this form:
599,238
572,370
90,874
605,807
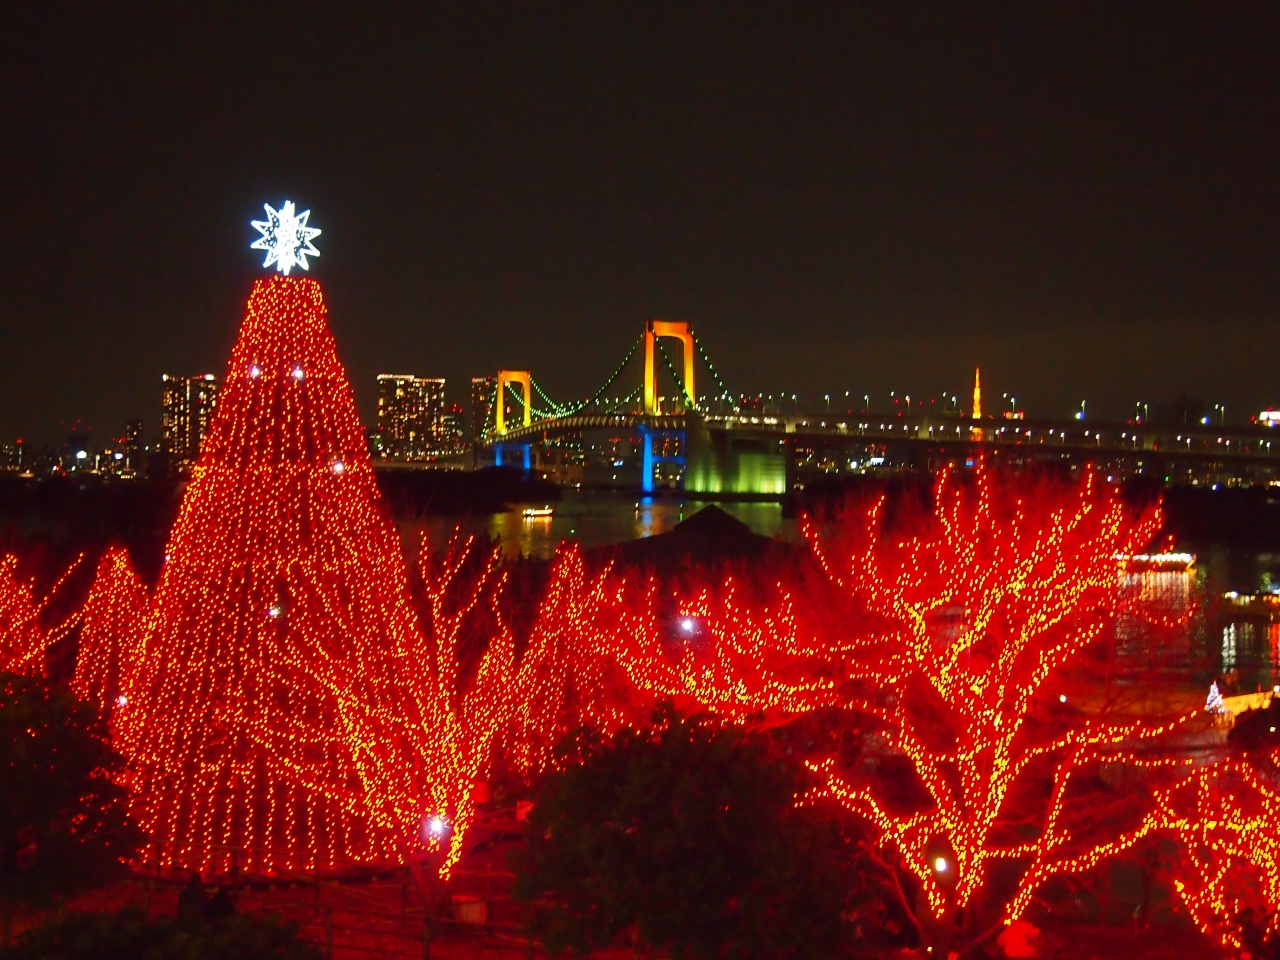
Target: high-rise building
132,442
128,458
11,456
410,415
453,430
187,411
483,390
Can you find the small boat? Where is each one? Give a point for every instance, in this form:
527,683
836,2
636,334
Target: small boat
533,512
1170,561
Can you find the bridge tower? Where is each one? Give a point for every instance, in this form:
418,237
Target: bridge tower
679,330
514,378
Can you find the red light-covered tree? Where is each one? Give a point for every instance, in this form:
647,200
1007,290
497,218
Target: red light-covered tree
268,718
22,641
1227,820
983,601
949,630
464,631
486,697
110,622
24,637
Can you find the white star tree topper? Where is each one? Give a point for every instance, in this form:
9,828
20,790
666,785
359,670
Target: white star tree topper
286,237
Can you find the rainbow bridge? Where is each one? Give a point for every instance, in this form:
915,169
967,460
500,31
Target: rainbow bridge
724,443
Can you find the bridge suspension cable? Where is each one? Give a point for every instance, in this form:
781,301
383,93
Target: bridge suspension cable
557,410
623,402
538,413
715,374
613,376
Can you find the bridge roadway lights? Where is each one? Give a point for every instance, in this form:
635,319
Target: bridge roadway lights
647,437
525,447
679,330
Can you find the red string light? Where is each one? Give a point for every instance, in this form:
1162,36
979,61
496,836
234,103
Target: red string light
952,635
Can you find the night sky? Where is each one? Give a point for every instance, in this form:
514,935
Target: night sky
1082,199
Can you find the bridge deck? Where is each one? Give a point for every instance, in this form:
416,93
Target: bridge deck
1071,438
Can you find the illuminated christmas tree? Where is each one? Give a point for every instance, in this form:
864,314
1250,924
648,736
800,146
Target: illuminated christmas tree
110,621
267,714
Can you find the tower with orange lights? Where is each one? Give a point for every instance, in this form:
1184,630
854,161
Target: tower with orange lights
975,432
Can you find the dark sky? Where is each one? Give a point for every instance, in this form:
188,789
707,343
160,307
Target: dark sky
866,197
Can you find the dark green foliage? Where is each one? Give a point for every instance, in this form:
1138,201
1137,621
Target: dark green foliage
64,828
688,834
128,935
1255,932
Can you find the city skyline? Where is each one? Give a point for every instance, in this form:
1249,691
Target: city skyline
1081,201
460,400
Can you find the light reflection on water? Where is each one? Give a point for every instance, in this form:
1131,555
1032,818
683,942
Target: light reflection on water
1143,654
1228,637
594,519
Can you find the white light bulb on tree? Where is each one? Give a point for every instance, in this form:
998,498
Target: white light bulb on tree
286,237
